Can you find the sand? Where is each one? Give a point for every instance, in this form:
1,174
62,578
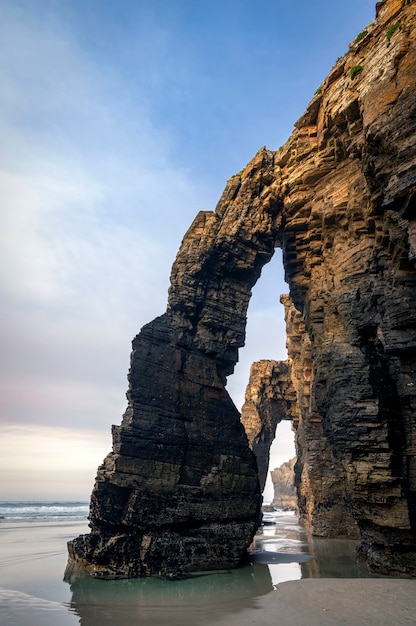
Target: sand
33,593
329,601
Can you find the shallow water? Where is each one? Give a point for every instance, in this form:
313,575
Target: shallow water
316,557
33,593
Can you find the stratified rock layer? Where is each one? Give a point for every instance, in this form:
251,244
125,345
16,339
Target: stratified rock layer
348,176
180,491
323,500
270,398
346,180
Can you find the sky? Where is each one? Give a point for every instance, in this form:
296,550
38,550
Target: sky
119,122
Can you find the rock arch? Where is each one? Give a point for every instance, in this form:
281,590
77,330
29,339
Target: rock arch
180,490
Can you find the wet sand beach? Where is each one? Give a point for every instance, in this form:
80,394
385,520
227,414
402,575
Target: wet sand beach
282,585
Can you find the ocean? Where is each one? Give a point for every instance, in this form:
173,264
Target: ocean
39,511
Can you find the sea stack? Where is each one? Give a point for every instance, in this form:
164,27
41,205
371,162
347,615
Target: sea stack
180,492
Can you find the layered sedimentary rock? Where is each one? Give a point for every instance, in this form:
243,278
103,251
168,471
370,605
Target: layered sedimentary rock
281,390
270,398
283,479
349,178
179,491
323,500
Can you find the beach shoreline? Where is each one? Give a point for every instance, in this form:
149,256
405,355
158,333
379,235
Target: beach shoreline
33,592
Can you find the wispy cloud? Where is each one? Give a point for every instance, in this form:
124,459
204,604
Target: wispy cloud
93,209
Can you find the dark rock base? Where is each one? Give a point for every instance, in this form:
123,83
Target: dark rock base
166,553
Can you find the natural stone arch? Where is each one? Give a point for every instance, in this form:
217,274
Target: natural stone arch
180,491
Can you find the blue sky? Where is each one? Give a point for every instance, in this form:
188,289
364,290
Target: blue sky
119,121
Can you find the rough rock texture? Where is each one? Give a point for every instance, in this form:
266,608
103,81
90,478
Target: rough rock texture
281,390
324,503
270,398
348,175
346,180
283,479
180,490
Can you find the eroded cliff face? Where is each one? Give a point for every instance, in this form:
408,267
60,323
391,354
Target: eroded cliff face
348,179
270,398
179,491
282,390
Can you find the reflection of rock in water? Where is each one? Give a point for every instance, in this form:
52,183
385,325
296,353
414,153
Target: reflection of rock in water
318,557
334,558
156,602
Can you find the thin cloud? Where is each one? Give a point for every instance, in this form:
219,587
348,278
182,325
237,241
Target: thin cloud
91,202
39,462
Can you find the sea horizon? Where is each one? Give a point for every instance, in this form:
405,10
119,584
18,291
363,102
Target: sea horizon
53,510
29,511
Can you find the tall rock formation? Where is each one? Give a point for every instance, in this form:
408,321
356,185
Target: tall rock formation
281,390
323,500
179,491
348,177
347,180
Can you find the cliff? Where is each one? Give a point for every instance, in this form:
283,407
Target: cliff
348,178
179,491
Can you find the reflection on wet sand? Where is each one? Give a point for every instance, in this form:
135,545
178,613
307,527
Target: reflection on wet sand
277,553
318,557
282,551
334,558
154,601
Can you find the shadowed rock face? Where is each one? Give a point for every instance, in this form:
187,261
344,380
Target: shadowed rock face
179,492
279,390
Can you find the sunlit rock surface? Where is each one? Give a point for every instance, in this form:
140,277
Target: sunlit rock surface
270,398
346,179
179,491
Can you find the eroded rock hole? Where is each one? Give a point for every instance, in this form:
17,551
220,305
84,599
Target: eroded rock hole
256,382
